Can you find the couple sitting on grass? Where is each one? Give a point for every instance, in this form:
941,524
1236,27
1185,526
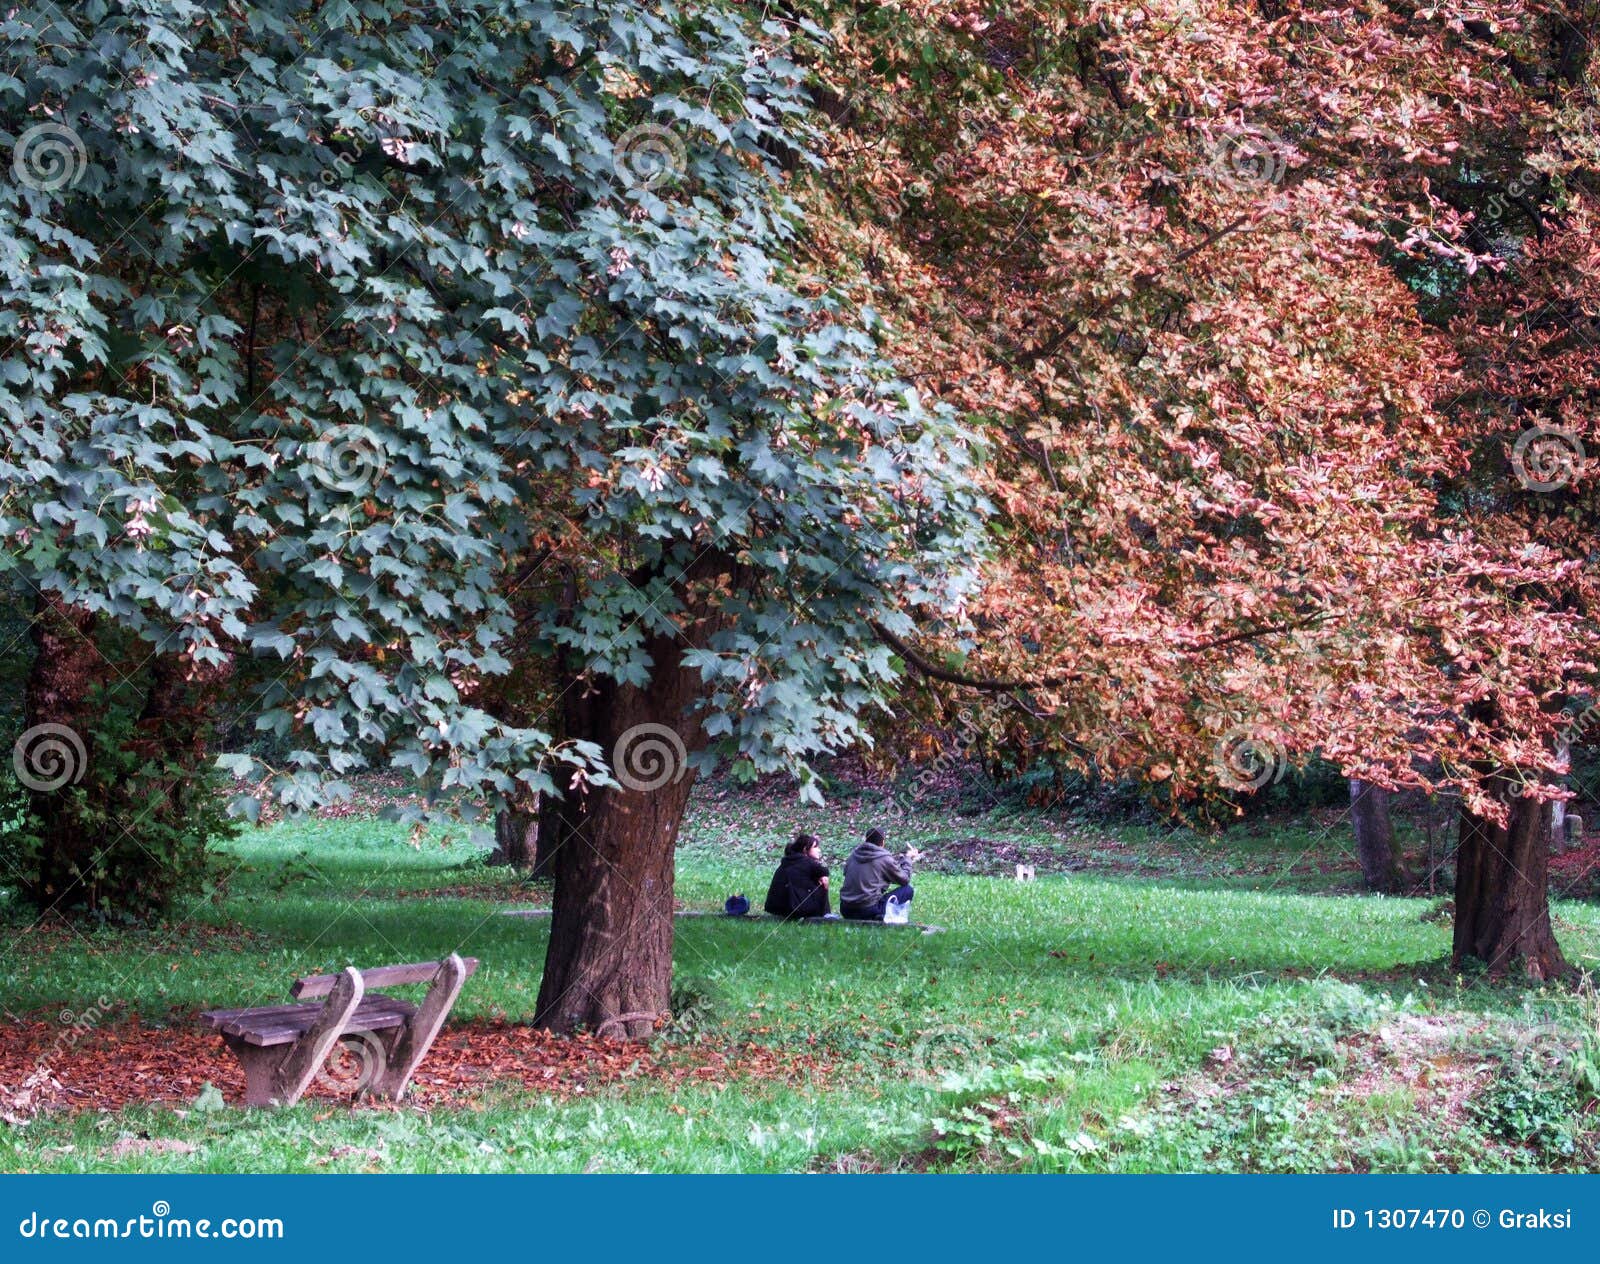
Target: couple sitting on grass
877,884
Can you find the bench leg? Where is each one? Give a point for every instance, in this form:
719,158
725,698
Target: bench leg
260,1065
417,1036
306,1055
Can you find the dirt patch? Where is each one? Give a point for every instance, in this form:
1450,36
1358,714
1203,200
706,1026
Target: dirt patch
995,857
487,890
850,1163
1428,1065
1418,1055
51,934
131,1063
129,1147
369,796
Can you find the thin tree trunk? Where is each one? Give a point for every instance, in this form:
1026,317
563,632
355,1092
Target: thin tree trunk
514,830
55,748
1502,913
1381,865
551,828
1558,809
179,707
173,736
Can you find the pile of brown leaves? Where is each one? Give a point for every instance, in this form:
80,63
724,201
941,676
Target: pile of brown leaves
45,1067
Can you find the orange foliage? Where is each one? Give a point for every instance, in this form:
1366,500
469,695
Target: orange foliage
1163,249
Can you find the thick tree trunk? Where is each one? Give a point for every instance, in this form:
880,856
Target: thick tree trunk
54,751
1381,865
609,964
1502,889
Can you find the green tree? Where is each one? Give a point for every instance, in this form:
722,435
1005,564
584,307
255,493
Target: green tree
337,322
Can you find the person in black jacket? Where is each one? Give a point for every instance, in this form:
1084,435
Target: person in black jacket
800,886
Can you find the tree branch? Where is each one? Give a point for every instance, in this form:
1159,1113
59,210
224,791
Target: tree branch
988,684
1009,687
1140,283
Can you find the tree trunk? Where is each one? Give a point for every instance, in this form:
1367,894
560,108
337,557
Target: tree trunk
176,718
551,828
1502,888
1558,827
514,830
1558,809
1381,865
52,755
609,964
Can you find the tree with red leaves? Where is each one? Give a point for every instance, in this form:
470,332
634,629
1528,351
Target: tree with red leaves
1186,259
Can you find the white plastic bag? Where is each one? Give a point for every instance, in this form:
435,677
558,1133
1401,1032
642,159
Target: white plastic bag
897,912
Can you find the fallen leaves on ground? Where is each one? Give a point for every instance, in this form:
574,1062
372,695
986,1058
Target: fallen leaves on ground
1576,872
488,889
52,934
131,1062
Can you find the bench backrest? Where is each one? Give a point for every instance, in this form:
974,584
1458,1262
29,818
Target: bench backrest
315,985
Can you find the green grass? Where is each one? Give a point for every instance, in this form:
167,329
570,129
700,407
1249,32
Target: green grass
1093,1020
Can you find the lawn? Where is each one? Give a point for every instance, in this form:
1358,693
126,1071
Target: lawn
1134,1009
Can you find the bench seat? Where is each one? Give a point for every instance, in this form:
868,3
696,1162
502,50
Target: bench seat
283,1048
284,1024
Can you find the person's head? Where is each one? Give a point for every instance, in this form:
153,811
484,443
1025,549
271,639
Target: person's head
803,845
875,837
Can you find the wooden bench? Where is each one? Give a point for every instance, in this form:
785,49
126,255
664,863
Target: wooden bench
284,1047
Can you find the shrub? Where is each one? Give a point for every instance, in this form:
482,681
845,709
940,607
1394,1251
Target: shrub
144,818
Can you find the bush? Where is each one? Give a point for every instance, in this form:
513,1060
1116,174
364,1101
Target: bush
139,822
